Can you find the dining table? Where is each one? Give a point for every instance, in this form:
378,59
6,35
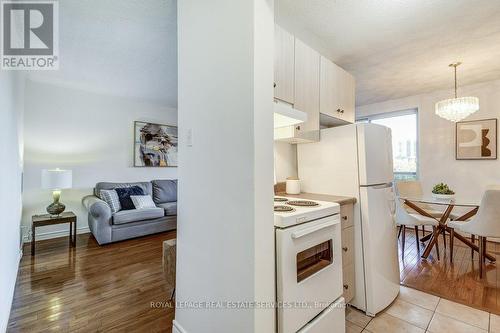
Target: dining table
468,208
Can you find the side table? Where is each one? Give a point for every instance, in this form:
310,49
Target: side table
47,219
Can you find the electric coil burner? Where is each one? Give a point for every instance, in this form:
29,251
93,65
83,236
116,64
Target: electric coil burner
280,199
303,203
283,209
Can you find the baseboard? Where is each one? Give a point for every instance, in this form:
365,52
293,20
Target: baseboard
57,234
4,325
177,328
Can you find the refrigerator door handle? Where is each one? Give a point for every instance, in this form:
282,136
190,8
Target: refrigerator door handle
379,186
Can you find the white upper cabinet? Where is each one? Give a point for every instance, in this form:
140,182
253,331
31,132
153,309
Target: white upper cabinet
284,65
337,92
307,67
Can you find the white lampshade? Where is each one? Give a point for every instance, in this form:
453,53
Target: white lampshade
57,179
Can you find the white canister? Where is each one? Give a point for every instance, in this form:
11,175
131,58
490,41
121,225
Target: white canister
292,186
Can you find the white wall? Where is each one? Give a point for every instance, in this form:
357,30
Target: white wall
285,160
10,189
437,139
88,133
225,216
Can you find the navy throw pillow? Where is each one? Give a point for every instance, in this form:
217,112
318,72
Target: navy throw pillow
124,194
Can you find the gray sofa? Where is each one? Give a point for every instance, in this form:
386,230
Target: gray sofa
108,227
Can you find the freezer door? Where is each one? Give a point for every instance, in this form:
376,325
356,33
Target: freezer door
380,247
374,154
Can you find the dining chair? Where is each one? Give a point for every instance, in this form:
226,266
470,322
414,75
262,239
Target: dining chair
486,223
405,219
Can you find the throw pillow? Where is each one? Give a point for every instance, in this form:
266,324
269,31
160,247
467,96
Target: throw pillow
142,201
111,198
124,194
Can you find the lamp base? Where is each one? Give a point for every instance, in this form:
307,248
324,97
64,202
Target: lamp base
56,208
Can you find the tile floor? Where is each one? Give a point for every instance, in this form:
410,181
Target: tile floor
417,312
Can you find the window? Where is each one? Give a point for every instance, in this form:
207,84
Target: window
404,126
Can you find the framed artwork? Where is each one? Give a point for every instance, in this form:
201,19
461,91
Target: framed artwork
476,140
155,145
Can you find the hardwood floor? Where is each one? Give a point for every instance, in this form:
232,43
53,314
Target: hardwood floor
458,281
92,288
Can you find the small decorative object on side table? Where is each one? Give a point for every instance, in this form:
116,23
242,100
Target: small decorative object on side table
47,219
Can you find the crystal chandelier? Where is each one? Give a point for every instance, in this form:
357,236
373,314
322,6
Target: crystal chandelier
458,108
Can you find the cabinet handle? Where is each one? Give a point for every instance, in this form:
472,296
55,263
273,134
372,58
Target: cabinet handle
342,111
338,110
298,128
346,286
344,218
345,248
274,85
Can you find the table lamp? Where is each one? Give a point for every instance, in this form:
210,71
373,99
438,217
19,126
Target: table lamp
56,180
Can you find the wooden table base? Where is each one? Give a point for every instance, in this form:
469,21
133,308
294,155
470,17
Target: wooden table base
443,228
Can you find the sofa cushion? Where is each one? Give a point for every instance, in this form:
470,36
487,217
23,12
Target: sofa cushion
124,196
170,208
145,186
111,198
142,201
135,215
164,190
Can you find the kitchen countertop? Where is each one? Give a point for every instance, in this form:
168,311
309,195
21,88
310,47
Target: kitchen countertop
321,197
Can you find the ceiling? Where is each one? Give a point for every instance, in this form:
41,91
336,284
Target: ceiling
120,48
399,48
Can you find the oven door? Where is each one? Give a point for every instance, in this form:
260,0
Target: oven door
308,271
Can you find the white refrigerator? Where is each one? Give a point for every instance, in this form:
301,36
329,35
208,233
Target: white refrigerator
356,160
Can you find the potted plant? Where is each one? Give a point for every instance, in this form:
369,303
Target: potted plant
442,191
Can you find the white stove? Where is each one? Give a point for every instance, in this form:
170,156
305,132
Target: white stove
297,211
308,266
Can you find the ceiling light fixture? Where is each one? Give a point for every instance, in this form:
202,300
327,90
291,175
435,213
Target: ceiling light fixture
458,108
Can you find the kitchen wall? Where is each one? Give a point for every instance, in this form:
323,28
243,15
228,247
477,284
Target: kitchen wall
88,133
285,160
437,139
225,235
11,87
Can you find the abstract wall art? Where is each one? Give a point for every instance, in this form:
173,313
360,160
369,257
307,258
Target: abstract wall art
476,140
155,145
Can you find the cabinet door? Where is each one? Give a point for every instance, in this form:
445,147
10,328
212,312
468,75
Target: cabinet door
336,91
307,62
284,59
328,88
347,95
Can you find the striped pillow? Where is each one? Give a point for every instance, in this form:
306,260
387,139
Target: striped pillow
142,201
111,198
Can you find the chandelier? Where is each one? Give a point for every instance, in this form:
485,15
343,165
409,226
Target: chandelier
458,108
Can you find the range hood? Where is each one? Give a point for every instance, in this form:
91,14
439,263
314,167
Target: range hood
286,119
285,115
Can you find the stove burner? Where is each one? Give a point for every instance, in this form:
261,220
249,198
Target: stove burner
303,203
283,209
280,199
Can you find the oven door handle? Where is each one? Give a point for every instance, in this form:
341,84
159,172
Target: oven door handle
307,231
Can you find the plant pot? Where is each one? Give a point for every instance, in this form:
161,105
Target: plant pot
444,197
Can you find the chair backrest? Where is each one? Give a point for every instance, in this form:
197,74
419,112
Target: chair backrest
487,221
409,188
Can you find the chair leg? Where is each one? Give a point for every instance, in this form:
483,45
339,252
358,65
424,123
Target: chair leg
485,243
399,232
417,240
481,256
444,238
473,240
403,243
437,243
452,236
